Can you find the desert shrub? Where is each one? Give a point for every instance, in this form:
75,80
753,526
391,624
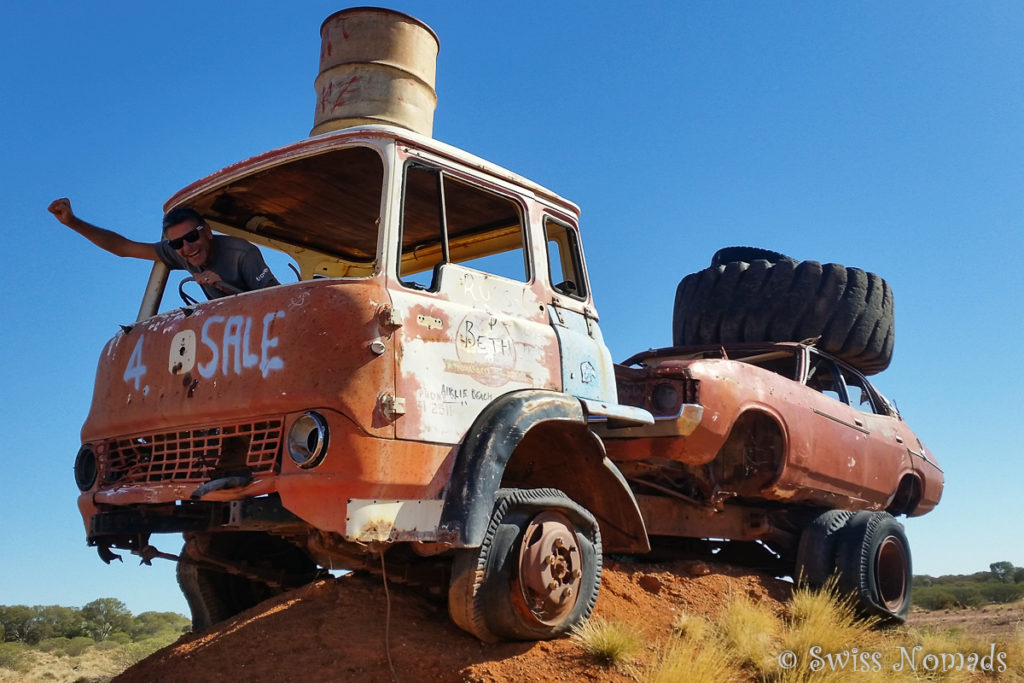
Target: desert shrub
149,624
66,647
56,645
13,656
132,653
933,598
967,595
1002,592
78,645
612,643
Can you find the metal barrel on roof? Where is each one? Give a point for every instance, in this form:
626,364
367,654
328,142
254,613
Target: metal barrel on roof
376,66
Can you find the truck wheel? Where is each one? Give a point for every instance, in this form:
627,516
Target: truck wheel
214,596
771,297
816,552
874,565
536,574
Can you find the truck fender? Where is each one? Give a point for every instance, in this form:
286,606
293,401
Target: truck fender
538,423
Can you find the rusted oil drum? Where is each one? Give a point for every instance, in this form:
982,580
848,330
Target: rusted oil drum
376,66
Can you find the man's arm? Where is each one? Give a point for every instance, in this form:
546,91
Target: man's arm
108,240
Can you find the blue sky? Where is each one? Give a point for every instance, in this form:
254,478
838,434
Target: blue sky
886,136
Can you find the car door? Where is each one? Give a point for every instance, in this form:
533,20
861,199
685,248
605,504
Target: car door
886,456
840,436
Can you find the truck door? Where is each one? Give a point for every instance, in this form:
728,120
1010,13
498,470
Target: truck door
586,363
472,324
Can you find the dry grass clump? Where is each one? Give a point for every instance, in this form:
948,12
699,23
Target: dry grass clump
692,627
954,655
820,639
750,632
825,639
689,658
612,643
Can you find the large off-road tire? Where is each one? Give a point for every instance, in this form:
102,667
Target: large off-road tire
816,552
213,595
771,297
873,558
536,574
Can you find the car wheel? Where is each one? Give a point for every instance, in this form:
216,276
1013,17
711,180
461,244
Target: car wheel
536,574
771,297
816,552
873,558
213,595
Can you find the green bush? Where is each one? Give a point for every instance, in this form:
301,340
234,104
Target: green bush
119,637
12,656
967,595
933,598
71,647
1003,592
58,645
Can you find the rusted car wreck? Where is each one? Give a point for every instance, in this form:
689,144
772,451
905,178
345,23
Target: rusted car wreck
434,388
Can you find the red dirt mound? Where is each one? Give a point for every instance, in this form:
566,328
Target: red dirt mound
351,629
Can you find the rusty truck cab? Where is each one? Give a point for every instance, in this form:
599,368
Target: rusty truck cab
430,284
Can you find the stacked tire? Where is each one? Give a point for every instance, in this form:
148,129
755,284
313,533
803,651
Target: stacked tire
756,295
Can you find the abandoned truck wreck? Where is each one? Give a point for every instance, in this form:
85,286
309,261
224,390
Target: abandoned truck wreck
434,387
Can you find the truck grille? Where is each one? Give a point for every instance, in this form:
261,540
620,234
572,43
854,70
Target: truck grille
191,455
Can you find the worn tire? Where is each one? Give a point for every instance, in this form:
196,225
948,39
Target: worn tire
816,552
772,297
873,558
493,595
748,254
214,596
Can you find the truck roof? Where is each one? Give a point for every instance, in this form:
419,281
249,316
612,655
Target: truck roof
320,144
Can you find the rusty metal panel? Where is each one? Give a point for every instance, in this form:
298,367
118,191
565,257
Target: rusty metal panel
587,368
241,358
458,349
392,520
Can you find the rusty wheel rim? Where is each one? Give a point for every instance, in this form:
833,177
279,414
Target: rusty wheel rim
550,567
891,570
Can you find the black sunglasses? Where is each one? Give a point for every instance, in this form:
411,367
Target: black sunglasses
190,237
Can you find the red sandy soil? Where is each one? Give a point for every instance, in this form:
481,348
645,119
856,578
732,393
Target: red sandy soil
347,629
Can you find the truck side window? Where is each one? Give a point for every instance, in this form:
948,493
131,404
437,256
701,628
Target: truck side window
565,260
423,242
446,220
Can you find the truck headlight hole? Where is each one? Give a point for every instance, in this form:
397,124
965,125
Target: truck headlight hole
307,440
86,469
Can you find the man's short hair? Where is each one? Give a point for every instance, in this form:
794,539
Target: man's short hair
182,214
